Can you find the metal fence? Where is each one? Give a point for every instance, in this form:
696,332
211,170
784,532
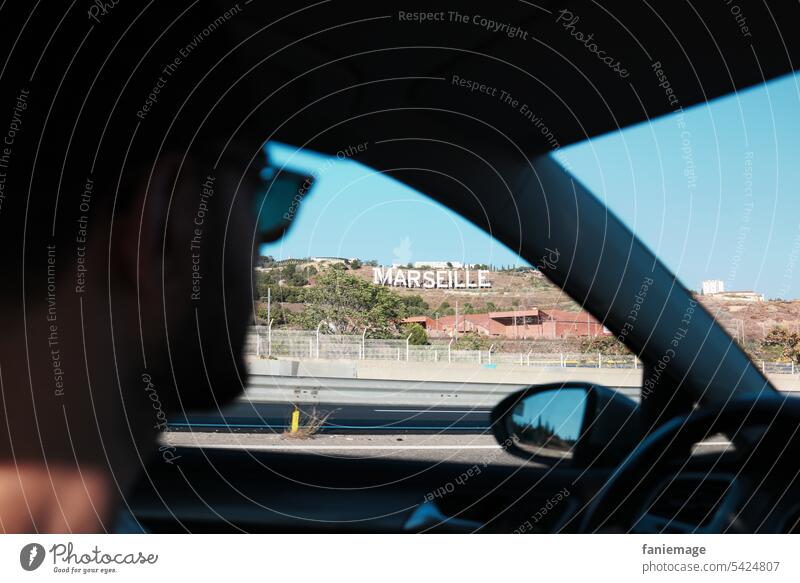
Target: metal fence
313,345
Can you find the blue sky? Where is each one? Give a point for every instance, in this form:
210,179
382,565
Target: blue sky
739,221
721,202
562,410
354,212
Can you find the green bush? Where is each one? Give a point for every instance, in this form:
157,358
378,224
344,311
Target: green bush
419,336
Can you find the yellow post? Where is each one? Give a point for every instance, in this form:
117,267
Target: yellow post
295,420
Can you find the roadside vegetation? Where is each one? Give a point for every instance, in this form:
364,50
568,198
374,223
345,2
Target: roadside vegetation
305,293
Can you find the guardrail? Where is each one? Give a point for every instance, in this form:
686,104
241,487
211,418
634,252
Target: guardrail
351,391
314,345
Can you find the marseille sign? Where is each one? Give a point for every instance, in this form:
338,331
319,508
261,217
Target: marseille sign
431,279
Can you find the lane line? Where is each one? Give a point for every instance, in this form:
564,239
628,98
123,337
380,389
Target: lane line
335,426
423,411
337,447
713,443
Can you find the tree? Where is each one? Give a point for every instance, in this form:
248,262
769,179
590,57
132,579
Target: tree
444,309
355,264
414,305
347,304
418,334
780,342
777,336
265,261
603,345
472,341
279,314
490,307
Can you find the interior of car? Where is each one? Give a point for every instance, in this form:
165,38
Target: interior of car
629,466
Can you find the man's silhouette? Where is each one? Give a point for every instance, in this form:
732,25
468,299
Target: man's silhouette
131,159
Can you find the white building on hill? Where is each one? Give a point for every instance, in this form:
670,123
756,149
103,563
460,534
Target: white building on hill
438,264
713,286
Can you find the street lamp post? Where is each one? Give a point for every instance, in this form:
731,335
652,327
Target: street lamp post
456,326
364,343
318,327
269,338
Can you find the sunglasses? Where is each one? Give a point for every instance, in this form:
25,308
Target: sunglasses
278,200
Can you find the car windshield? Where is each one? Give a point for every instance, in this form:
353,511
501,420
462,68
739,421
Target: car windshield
384,316
712,190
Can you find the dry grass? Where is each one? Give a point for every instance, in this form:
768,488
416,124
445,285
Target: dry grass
310,424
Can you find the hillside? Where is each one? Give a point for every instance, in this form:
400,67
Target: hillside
509,290
748,322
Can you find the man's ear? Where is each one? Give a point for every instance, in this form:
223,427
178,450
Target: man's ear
156,228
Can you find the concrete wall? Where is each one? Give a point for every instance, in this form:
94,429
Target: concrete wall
464,372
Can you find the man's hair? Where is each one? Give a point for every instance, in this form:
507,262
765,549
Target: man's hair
128,84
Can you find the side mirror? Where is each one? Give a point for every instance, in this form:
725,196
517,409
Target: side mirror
585,423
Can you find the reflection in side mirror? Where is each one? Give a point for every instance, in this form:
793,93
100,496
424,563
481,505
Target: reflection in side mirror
580,423
549,423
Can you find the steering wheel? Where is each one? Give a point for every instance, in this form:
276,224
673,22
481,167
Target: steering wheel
619,503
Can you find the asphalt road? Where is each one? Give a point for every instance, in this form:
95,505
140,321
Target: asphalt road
468,449
275,418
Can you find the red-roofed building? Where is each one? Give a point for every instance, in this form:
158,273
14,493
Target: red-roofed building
523,324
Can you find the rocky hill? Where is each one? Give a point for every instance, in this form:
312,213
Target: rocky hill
748,322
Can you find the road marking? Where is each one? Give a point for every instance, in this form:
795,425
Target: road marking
713,443
423,411
337,447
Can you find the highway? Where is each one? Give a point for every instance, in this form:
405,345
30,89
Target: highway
257,417
357,405
445,447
